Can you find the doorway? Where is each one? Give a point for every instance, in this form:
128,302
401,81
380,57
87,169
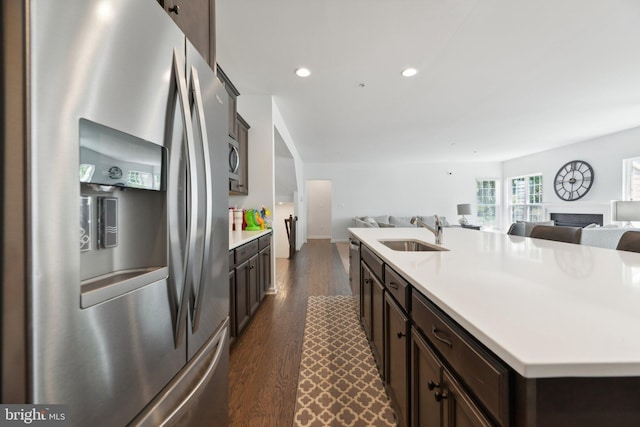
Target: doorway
319,193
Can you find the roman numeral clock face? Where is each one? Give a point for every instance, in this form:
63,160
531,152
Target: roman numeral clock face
573,180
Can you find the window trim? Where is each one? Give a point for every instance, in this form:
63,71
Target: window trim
497,205
527,205
627,180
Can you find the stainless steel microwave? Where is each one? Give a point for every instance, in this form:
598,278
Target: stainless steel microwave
234,159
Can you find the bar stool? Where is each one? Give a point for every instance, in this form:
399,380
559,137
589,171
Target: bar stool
557,233
629,241
516,229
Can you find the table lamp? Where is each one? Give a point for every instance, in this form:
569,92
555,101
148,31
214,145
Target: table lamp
627,211
464,209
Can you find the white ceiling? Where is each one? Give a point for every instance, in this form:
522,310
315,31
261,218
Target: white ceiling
497,79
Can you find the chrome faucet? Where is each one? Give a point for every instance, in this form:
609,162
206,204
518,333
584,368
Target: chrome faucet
437,230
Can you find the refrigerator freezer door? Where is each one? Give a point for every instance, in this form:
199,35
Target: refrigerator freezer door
192,398
109,62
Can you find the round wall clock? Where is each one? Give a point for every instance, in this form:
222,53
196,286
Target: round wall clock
573,180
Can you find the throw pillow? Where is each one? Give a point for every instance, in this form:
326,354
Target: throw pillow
382,219
400,221
383,225
370,222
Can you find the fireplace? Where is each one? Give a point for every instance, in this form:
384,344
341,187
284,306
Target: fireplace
576,219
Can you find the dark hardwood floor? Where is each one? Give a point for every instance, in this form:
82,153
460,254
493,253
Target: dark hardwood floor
265,360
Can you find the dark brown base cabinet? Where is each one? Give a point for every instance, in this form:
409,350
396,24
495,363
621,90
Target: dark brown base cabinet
426,381
249,278
417,374
365,300
396,360
372,314
264,273
250,271
436,397
377,323
438,375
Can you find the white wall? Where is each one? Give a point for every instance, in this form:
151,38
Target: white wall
399,189
318,209
256,110
604,154
298,196
262,114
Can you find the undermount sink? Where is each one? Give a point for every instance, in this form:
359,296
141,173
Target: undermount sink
412,246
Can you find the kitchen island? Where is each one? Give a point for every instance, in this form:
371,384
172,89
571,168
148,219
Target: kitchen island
562,319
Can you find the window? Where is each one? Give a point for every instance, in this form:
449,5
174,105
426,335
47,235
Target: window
525,202
487,200
631,173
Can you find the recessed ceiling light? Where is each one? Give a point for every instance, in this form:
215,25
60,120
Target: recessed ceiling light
409,72
303,72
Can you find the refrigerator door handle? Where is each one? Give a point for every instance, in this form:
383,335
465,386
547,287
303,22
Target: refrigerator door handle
198,290
191,234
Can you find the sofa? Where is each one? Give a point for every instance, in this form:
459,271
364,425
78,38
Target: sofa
382,221
603,237
592,235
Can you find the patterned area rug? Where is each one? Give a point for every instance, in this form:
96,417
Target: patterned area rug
339,384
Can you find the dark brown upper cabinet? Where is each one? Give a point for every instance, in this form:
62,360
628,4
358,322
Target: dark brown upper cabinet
196,18
233,106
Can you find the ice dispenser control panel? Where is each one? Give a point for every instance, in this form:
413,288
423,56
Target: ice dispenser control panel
111,157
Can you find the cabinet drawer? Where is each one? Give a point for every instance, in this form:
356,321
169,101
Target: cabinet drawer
264,241
232,262
398,287
245,251
483,374
375,264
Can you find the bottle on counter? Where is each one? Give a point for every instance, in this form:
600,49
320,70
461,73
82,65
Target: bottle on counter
238,219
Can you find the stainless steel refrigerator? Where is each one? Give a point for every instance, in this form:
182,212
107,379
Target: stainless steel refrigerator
114,226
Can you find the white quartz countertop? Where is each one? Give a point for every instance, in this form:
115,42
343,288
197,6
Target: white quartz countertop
548,309
238,238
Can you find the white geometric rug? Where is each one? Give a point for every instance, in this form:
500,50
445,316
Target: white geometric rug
339,384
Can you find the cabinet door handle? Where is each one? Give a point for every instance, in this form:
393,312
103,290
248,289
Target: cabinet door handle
251,267
435,331
175,9
400,335
367,281
439,395
393,285
431,385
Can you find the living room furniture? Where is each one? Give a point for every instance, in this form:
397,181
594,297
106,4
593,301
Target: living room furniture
557,234
523,228
606,237
630,241
464,209
626,211
391,221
